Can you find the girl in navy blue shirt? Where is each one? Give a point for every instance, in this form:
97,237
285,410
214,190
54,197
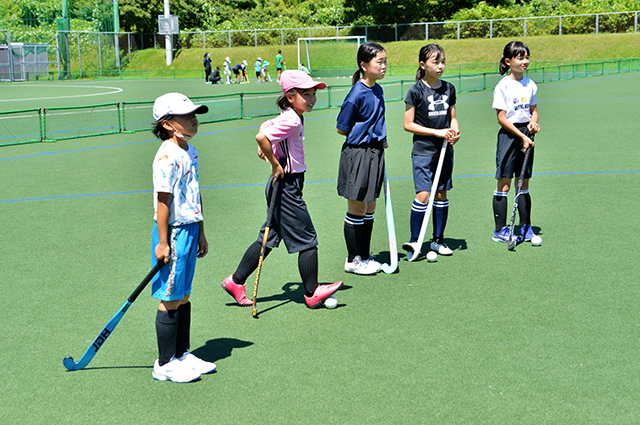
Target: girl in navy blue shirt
361,172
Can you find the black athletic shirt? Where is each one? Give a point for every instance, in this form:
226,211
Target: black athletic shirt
432,111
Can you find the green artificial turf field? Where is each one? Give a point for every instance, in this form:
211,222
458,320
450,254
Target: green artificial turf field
541,335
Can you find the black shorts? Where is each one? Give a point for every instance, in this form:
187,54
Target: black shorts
236,71
279,68
258,74
424,169
509,155
361,172
291,220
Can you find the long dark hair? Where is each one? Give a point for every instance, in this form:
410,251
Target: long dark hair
283,102
425,53
512,50
366,52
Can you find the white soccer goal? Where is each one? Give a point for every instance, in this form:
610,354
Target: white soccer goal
328,52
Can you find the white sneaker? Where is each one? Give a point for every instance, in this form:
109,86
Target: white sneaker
199,365
175,371
357,266
441,248
370,262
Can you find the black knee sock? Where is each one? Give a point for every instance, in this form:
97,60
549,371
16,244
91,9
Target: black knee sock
365,242
167,334
500,209
353,234
249,262
524,208
184,329
308,268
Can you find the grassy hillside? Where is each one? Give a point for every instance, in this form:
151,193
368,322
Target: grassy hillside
546,48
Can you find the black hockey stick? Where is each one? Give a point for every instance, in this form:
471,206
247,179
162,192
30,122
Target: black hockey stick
512,239
102,337
272,205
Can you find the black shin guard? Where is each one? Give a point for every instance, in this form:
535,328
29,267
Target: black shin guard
353,234
500,209
308,268
184,329
365,241
524,208
249,262
167,334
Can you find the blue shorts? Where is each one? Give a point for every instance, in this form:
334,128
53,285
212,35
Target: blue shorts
173,282
424,169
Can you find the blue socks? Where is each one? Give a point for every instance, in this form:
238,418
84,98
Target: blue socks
440,214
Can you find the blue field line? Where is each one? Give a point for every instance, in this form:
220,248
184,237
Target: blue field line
231,186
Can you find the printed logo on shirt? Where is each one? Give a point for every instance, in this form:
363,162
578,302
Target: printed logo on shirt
433,103
522,103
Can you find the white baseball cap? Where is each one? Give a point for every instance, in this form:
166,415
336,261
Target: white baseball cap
244,62
227,59
176,104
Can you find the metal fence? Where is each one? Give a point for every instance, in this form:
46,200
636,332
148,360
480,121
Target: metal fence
88,54
51,124
594,23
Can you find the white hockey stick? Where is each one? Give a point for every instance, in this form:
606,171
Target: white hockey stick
391,229
416,246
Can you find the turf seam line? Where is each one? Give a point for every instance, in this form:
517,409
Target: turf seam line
307,182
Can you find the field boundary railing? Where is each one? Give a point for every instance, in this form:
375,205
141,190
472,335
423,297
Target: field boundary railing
60,123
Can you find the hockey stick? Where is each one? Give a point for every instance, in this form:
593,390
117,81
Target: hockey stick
272,205
102,337
512,240
415,247
391,229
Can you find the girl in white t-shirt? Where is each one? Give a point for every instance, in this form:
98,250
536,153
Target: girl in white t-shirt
514,100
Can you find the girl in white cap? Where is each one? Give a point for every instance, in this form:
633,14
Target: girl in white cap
280,142
178,235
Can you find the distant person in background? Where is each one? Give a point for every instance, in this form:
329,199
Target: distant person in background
244,73
258,68
304,69
227,69
280,63
215,75
207,68
238,73
265,72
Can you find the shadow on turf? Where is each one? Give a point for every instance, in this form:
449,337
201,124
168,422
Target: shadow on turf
219,348
292,292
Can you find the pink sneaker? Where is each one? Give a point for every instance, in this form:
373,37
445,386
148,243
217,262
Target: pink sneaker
236,291
322,293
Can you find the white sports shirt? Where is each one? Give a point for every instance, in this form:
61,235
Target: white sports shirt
175,171
515,98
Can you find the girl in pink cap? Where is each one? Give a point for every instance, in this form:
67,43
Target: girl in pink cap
280,142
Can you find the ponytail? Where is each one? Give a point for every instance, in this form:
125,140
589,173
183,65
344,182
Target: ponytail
356,76
503,68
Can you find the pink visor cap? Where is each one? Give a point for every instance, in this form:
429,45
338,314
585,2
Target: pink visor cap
176,104
296,79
